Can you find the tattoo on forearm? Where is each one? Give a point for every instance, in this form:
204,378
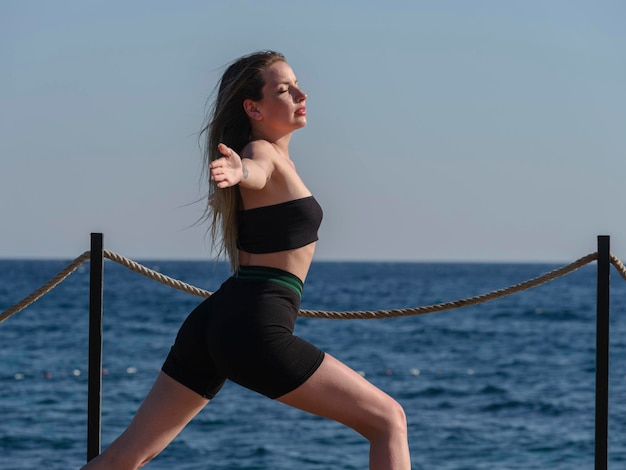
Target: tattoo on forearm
244,169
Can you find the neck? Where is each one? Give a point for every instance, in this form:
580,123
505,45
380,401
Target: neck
280,140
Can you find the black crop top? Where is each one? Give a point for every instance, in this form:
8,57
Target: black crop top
279,227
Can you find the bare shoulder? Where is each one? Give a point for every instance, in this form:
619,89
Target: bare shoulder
259,150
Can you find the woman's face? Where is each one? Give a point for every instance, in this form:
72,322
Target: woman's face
283,105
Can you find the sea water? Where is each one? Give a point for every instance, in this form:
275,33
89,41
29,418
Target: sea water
509,384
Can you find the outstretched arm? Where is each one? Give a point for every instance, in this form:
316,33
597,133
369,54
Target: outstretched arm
231,169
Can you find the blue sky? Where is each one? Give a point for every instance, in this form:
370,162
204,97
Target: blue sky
438,131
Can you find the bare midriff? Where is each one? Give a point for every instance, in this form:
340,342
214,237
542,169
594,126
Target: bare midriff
296,261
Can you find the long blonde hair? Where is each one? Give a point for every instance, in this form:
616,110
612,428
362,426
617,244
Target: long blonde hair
229,124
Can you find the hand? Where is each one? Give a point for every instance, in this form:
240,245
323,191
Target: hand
228,170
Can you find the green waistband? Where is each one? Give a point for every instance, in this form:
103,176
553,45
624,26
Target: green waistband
263,273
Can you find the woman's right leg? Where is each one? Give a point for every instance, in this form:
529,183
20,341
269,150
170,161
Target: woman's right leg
337,392
167,409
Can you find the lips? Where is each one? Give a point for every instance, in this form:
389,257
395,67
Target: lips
301,111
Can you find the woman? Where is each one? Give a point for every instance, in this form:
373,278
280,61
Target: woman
266,221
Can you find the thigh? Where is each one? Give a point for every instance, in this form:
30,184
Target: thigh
337,392
166,410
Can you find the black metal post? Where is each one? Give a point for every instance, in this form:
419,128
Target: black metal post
602,353
94,392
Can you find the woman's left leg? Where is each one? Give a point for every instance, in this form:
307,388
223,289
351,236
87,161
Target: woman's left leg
166,410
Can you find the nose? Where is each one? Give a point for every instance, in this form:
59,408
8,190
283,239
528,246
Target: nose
300,95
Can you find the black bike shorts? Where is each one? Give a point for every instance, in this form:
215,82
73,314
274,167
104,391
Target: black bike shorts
244,332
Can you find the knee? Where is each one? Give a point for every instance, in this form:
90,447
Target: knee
391,420
397,417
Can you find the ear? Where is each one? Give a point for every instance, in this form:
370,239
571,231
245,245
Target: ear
252,109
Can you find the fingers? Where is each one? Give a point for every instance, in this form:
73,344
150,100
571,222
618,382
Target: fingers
224,150
223,161
225,170
220,177
220,169
219,162
221,174
222,182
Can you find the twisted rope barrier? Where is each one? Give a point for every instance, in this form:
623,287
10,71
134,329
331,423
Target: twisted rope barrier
156,276
47,287
615,261
176,284
537,281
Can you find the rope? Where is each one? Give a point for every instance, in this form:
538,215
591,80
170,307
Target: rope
156,276
176,284
47,287
456,303
619,266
